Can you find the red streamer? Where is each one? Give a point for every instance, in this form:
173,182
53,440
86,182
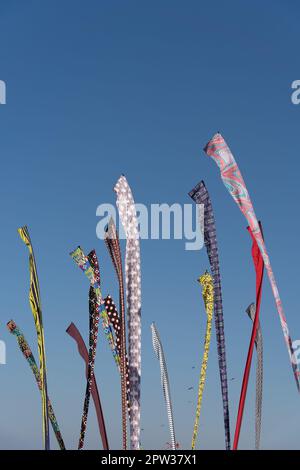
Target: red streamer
259,270
74,333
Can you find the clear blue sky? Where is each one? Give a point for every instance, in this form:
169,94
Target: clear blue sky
100,88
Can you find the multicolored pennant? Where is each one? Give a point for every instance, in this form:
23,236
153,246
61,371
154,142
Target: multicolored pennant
89,265
113,246
233,180
27,353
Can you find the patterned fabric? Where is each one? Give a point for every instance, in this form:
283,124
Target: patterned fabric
127,213
200,195
35,304
259,271
233,180
74,333
113,246
158,349
89,265
259,376
25,349
206,282
115,321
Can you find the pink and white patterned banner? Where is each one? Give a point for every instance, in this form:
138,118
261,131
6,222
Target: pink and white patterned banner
218,149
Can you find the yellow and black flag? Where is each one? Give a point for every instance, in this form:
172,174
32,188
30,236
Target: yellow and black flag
35,304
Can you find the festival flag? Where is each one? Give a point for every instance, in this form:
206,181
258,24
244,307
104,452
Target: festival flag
35,304
27,353
115,322
89,265
113,246
206,282
233,180
127,213
251,311
82,349
200,195
158,349
259,272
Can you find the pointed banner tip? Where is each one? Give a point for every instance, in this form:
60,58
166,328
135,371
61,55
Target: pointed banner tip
73,251
69,327
198,187
121,178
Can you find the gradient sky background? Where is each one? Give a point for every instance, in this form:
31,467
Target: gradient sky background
100,88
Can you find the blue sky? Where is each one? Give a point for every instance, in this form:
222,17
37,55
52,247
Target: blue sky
100,88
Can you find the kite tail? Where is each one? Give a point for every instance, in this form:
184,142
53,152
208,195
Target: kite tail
127,213
259,376
200,196
206,282
27,353
35,304
113,246
74,333
158,349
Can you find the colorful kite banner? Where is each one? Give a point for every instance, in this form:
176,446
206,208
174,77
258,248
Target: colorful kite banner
233,180
251,311
115,321
158,349
201,196
127,213
259,272
113,246
89,265
35,304
74,333
206,282
27,353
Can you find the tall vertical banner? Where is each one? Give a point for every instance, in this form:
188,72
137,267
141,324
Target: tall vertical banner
251,312
35,304
219,151
27,353
158,349
259,272
82,349
114,249
127,213
90,266
206,282
200,195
